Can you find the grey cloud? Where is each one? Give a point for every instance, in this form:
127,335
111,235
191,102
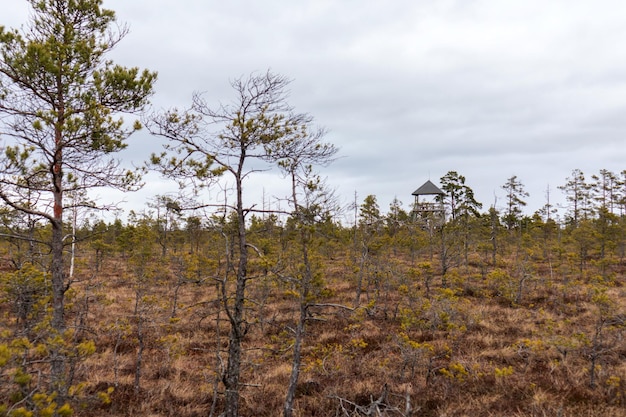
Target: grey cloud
409,90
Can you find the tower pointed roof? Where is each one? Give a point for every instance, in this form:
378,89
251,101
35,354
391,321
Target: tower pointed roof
428,188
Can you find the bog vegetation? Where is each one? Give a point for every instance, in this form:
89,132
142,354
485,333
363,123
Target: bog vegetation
225,308
403,313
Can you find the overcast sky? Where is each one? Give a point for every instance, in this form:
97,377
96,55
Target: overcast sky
408,89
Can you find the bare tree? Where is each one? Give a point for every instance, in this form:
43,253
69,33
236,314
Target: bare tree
311,203
206,143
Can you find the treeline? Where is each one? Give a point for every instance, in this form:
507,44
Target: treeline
138,286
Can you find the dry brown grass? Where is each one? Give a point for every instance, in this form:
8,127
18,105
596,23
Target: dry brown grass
474,353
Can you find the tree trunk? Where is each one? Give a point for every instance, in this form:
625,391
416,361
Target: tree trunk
233,369
141,341
58,360
494,238
300,328
58,279
58,363
235,315
297,361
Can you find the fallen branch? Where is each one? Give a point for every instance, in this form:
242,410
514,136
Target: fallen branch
376,408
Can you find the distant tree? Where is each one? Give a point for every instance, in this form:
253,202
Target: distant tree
168,212
461,204
396,222
60,107
621,203
514,201
459,197
621,193
607,227
494,227
577,195
193,227
604,190
396,216
585,237
370,225
100,243
144,265
547,210
369,213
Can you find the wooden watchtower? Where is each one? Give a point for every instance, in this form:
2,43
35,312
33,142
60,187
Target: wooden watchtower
429,202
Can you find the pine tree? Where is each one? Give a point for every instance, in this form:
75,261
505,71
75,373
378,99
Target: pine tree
60,114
